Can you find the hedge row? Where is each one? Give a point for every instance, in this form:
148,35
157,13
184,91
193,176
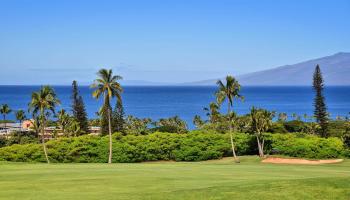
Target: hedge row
194,146
307,146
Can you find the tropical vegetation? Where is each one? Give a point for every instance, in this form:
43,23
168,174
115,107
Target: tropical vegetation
5,110
43,104
131,139
193,146
320,111
107,85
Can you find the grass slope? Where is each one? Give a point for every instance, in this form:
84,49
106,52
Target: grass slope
221,179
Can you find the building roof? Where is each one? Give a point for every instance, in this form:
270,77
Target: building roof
10,125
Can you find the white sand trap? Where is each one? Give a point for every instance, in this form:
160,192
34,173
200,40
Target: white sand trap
300,161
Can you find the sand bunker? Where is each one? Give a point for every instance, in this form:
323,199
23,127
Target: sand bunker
300,161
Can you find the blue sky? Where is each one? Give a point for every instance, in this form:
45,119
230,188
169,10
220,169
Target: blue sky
54,42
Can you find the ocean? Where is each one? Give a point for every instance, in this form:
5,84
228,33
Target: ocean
186,101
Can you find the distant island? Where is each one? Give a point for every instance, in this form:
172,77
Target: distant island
335,68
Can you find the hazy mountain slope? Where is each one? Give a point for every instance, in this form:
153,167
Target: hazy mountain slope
141,83
335,69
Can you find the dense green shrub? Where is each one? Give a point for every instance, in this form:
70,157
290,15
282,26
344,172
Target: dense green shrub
193,146
337,128
2,141
20,137
78,149
294,126
201,147
346,153
307,146
23,153
277,127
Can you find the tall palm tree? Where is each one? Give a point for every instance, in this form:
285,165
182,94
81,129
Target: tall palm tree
42,103
20,116
107,85
229,90
5,110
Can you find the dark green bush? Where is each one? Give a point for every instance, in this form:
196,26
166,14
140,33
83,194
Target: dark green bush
307,146
193,146
2,141
23,153
20,137
346,153
277,127
337,128
294,126
201,147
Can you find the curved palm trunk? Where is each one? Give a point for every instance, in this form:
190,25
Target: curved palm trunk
43,142
231,135
5,126
5,120
20,124
260,146
110,136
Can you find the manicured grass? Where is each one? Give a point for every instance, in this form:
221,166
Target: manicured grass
220,179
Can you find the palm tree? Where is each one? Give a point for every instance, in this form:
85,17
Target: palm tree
20,116
175,124
311,128
5,110
107,85
261,121
42,103
230,91
36,125
73,127
213,112
282,117
63,120
197,121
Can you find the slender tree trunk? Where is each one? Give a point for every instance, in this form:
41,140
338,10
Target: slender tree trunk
43,141
233,149
5,127
260,146
231,137
110,136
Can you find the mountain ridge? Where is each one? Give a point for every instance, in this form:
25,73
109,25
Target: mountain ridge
335,69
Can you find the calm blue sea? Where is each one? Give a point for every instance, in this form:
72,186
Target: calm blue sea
166,101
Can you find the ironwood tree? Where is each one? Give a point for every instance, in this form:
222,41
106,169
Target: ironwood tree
320,112
79,110
118,117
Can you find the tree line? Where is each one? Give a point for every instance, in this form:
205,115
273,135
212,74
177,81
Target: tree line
107,88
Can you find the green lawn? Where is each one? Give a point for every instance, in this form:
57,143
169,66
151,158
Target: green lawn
169,180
